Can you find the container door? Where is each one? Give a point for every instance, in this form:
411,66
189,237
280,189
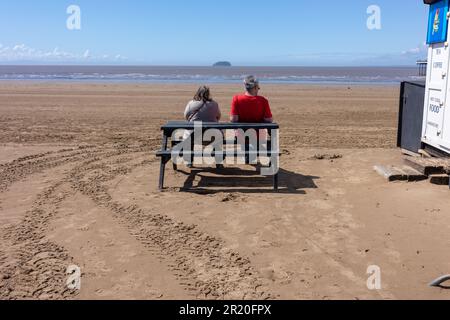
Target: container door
437,92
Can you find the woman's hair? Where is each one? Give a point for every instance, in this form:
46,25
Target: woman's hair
203,94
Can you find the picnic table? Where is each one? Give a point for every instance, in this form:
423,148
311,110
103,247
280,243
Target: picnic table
171,127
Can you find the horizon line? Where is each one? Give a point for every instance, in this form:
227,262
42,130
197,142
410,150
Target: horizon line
202,66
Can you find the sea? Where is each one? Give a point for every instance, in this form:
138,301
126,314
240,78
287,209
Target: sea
210,75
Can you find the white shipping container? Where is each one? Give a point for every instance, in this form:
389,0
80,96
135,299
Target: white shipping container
436,124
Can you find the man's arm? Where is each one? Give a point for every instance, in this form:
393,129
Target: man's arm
268,118
234,118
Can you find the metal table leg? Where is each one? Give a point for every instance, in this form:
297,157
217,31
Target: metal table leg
275,182
163,163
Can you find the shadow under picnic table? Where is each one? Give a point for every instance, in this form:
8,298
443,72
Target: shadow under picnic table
236,180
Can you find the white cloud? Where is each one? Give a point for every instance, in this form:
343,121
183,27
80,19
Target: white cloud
21,52
406,57
419,50
120,57
19,47
413,50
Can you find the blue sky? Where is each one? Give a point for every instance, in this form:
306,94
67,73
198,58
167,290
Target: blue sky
201,32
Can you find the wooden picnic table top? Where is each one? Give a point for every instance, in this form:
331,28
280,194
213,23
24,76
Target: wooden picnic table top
174,125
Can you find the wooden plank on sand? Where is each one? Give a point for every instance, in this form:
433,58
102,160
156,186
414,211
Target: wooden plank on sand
391,173
428,166
440,179
410,153
404,173
413,175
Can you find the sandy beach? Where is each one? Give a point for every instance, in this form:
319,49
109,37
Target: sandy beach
78,186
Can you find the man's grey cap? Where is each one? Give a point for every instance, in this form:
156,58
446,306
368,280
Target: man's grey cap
251,82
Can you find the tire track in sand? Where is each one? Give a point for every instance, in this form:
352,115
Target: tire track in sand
201,262
32,267
26,166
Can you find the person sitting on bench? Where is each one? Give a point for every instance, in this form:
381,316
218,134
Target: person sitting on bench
202,107
250,107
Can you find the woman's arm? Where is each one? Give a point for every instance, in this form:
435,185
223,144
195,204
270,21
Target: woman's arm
219,113
188,111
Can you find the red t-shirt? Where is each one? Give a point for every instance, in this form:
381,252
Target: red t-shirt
250,109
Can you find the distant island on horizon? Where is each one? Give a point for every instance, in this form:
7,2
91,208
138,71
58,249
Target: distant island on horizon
222,64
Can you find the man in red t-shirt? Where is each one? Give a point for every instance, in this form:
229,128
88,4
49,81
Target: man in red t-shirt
249,107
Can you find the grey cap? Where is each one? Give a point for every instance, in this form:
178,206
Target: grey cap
251,82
